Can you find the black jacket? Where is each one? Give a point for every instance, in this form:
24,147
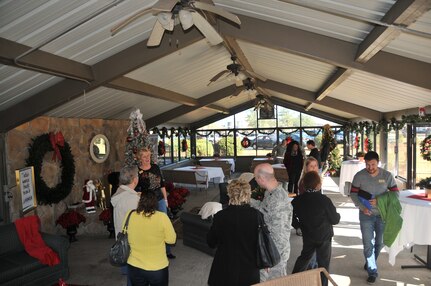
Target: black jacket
234,233
316,154
316,215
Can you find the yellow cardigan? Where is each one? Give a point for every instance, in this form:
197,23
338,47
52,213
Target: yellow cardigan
147,237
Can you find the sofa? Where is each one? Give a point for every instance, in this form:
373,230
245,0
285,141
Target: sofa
195,231
18,268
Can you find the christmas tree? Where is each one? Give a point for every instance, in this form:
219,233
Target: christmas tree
334,162
137,138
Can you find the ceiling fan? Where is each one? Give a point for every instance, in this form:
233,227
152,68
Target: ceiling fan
187,13
262,100
237,72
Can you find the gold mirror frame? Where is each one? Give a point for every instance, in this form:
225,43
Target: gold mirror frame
100,153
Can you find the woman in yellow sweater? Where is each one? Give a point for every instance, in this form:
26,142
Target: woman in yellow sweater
148,232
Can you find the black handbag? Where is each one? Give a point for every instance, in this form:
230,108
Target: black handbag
267,252
120,251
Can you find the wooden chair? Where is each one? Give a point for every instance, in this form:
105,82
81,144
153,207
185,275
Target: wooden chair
306,278
190,179
281,175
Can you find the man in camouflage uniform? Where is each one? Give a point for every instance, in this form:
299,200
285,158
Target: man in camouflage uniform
277,211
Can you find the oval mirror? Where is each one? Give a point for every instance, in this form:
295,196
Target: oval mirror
99,148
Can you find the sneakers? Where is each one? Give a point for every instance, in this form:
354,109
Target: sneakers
371,279
298,232
171,256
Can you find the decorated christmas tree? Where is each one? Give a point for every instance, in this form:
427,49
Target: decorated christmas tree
334,162
137,138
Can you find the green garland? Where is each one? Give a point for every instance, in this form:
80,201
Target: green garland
38,149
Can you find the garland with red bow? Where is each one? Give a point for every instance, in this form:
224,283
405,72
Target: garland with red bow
184,145
356,144
52,142
245,142
161,150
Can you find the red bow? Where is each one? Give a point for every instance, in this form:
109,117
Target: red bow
57,140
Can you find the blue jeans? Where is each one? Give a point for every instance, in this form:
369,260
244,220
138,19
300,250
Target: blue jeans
372,237
163,208
141,277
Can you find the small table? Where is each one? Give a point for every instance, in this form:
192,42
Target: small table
416,227
348,170
215,173
229,160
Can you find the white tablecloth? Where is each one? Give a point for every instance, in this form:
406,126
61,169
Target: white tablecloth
416,228
348,170
215,173
229,160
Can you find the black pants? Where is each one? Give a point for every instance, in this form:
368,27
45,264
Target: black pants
293,182
323,254
141,277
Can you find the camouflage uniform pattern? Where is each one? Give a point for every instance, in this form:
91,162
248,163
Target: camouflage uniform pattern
277,211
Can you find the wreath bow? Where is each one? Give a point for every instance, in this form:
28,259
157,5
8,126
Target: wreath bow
57,140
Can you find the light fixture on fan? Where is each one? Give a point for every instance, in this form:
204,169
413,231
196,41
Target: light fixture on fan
187,11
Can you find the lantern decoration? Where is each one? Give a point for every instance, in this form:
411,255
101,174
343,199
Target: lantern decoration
161,148
245,142
184,145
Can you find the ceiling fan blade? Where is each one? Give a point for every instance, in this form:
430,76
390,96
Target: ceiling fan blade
217,76
129,20
255,75
156,35
165,5
216,10
206,29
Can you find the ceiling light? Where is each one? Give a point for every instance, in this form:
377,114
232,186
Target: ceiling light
186,19
242,76
165,20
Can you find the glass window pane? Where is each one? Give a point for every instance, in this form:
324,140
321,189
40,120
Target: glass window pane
402,153
225,123
310,120
241,151
246,119
225,144
204,147
423,169
176,143
287,117
391,152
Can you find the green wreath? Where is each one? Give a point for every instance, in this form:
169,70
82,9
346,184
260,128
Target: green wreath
426,148
46,195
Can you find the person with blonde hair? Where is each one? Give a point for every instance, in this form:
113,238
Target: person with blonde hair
234,234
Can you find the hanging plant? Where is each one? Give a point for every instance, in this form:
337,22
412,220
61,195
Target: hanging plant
41,145
161,148
184,145
425,148
245,142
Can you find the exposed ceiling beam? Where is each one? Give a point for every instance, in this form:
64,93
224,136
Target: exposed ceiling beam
326,49
184,109
42,61
402,13
333,82
105,71
327,101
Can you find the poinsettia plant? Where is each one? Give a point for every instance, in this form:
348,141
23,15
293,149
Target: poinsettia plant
176,196
106,216
70,218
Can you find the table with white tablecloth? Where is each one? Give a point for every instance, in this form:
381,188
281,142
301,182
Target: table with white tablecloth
416,229
280,172
229,160
347,172
212,173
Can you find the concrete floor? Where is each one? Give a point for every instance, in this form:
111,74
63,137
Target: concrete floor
89,263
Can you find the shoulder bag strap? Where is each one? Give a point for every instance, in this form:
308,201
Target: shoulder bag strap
126,224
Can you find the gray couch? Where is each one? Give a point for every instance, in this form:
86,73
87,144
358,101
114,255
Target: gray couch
19,268
195,231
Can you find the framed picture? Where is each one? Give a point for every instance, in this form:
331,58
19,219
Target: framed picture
26,185
267,113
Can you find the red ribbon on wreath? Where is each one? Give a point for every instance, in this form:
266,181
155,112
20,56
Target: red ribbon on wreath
356,144
161,148
366,145
245,142
57,140
184,145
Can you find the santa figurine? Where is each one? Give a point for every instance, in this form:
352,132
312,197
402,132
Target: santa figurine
89,197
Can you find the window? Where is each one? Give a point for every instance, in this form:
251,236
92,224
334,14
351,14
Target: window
402,152
246,119
288,118
392,150
423,169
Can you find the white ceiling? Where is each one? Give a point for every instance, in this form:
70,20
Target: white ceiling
300,46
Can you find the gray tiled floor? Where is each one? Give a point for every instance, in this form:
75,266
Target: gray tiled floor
89,264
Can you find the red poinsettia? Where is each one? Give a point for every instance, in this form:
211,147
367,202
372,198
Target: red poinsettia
70,218
176,197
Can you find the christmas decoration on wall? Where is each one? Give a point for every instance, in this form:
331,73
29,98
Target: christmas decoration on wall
89,196
184,145
328,142
38,148
422,111
356,143
245,142
368,145
425,148
137,138
161,148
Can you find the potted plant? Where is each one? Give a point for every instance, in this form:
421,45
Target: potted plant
425,184
70,221
106,217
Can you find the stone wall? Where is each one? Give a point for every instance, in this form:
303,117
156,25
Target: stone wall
78,133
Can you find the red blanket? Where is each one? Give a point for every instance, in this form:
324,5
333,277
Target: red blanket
28,232
420,197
